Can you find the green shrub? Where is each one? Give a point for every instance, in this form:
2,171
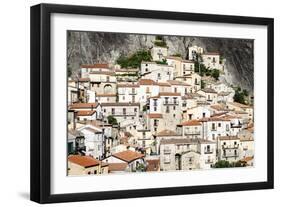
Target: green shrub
134,60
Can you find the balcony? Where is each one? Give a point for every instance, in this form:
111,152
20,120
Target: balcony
230,146
133,93
124,114
192,133
208,152
171,103
230,155
167,151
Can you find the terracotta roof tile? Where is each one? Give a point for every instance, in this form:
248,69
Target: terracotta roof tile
85,113
208,90
127,85
147,82
228,138
84,105
191,123
85,161
155,116
166,132
178,83
120,104
128,156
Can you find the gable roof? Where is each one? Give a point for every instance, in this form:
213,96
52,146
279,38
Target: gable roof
128,156
208,90
228,138
147,82
84,161
84,105
191,123
178,83
186,141
85,113
166,132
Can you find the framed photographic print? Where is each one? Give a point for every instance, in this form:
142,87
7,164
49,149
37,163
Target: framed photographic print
132,103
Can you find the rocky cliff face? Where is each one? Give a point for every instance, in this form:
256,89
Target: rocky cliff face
99,47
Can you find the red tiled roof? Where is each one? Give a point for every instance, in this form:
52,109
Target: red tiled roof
228,138
191,123
147,82
208,90
155,116
84,105
128,155
213,119
85,113
120,104
127,85
179,83
84,79
97,65
166,132
85,161
165,84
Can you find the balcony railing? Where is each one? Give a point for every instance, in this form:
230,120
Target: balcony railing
209,161
230,146
171,103
167,151
124,114
229,155
208,152
192,133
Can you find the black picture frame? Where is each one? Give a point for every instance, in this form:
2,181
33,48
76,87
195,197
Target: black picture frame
40,185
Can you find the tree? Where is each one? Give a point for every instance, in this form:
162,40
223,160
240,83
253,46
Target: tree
134,60
215,74
112,120
240,95
163,62
245,92
222,164
144,108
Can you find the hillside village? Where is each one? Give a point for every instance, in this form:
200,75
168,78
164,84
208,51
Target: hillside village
167,113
